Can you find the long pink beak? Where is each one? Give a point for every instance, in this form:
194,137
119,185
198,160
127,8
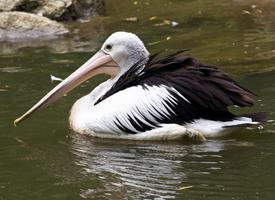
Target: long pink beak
98,64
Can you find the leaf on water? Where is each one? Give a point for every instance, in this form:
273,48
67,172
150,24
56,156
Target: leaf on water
164,23
4,89
131,19
153,18
167,23
185,187
54,78
154,43
159,41
246,12
19,140
259,11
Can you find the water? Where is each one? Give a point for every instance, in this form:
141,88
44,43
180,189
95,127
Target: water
43,159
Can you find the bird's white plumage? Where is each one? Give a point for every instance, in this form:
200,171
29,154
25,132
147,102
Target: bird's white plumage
211,128
164,132
134,102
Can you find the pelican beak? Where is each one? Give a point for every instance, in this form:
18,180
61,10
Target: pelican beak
100,63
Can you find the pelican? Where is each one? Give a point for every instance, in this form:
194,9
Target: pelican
151,97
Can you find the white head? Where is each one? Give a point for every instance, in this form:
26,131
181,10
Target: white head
119,52
126,49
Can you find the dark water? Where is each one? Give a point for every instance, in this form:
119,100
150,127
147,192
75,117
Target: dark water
43,159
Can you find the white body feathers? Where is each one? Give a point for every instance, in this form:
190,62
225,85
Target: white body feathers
101,120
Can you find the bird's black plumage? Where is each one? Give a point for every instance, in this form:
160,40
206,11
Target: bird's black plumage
208,89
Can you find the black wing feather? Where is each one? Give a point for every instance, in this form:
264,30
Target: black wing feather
208,89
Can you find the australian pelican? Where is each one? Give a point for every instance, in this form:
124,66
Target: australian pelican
151,97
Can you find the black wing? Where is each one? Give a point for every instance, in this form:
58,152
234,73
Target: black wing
208,89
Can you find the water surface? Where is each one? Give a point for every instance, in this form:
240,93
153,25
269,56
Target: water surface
43,159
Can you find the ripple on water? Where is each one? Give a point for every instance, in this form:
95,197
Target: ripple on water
14,69
156,170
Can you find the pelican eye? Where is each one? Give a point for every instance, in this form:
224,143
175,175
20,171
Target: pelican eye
108,47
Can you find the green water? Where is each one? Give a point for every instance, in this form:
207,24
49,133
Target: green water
43,159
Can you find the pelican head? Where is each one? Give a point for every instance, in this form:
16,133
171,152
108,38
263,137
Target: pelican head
126,49
119,52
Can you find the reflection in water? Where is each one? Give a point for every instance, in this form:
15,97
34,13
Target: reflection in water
146,170
83,37
13,69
